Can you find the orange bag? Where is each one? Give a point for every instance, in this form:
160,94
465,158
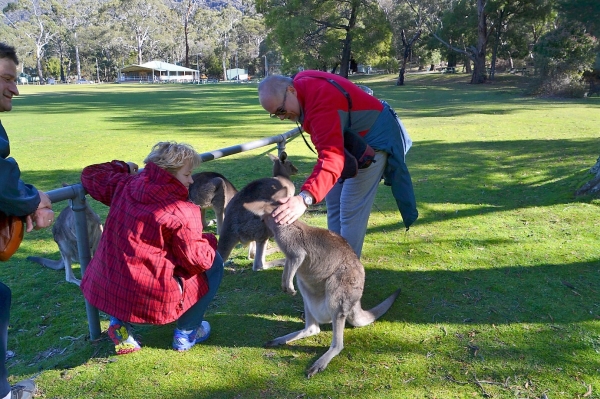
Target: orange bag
11,235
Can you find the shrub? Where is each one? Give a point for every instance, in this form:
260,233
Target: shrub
561,57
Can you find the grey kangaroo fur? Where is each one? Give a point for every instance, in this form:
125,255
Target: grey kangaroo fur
241,225
63,231
330,278
211,190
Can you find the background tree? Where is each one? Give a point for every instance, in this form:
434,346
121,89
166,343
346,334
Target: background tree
320,34
33,19
72,18
561,58
507,15
140,23
406,28
251,33
221,27
186,11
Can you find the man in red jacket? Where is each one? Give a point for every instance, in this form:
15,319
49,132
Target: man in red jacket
153,264
327,105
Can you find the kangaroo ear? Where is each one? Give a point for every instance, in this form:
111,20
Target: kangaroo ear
281,193
256,207
260,208
283,156
272,157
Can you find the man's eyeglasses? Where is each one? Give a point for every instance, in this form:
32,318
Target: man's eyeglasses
281,110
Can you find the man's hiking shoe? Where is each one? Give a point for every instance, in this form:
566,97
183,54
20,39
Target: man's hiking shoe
183,340
123,340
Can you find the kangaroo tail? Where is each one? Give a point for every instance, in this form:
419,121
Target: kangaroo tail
52,264
362,317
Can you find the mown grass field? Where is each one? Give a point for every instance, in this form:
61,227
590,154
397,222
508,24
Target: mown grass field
500,275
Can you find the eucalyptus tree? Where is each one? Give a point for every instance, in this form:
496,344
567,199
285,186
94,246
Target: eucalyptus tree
33,19
251,33
406,28
139,23
587,12
567,58
462,26
74,17
508,15
61,46
324,33
186,11
467,26
218,29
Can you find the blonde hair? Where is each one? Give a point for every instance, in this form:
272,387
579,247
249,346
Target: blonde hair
172,156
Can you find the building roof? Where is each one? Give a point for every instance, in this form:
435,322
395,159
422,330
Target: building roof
156,66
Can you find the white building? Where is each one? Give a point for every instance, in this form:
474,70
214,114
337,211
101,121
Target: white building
157,72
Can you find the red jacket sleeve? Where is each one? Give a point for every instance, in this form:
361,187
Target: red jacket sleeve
194,251
321,105
212,240
101,180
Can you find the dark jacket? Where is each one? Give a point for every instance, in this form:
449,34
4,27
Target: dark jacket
16,197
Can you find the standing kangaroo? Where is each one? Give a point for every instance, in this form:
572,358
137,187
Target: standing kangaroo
64,235
211,190
330,278
241,225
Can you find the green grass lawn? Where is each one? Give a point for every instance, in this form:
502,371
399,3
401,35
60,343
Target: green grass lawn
500,275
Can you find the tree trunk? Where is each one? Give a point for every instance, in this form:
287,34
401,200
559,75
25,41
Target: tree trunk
407,51
592,187
400,81
479,73
467,64
186,34
78,62
496,44
62,68
39,69
347,49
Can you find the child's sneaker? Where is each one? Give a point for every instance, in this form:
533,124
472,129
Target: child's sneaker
183,340
22,390
124,342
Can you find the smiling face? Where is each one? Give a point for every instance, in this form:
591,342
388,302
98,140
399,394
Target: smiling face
8,83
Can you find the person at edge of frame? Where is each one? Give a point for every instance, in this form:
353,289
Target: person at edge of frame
19,199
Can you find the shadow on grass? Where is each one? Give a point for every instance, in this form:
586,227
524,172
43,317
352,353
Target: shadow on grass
461,309
493,175
198,108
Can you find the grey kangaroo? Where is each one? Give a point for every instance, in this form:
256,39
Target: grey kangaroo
211,190
241,225
64,235
330,278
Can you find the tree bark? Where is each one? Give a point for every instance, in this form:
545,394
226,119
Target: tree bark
592,187
479,73
347,49
496,44
407,51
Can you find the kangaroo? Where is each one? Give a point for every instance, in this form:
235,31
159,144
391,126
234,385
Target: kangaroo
211,190
330,278
64,235
241,225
